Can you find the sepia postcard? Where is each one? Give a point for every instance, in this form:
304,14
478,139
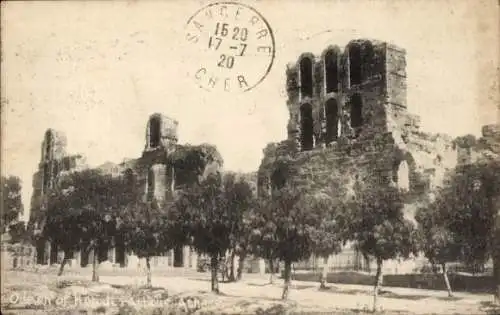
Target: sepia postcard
250,157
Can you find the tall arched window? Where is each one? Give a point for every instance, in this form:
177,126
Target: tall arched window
331,71
332,121
401,175
307,125
356,106
355,63
154,132
306,77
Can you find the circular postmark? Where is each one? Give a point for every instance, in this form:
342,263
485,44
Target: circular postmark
231,47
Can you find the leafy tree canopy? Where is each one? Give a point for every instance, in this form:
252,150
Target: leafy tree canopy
12,205
378,226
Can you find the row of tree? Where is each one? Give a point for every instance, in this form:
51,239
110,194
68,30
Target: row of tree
221,215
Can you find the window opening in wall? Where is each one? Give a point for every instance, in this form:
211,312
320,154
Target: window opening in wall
356,113
154,132
306,123
331,71
355,62
306,77
331,113
401,175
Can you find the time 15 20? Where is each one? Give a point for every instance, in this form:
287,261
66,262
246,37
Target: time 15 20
223,29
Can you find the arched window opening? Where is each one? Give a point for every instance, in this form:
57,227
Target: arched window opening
355,62
154,132
307,125
331,72
306,77
401,176
331,113
356,113
151,185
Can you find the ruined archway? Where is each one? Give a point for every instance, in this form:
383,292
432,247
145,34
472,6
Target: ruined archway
306,127
355,63
331,71
154,132
402,170
332,121
306,77
356,110
401,175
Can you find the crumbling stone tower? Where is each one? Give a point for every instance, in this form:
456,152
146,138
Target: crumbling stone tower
345,95
349,120
161,141
54,162
352,103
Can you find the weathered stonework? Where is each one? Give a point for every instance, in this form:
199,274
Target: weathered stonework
385,134
54,163
163,168
369,136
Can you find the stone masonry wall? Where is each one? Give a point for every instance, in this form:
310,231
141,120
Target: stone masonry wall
382,90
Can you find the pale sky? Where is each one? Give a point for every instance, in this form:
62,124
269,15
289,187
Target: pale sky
96,70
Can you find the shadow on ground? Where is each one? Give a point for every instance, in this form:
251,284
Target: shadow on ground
386,294
489,308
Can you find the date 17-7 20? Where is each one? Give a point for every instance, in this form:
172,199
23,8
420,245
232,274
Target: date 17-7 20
224,31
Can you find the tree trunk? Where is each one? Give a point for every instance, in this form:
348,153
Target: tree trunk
378,283
446,280
496,255
288,275
241,263
63,263
324,275
214,264
231,264
148,276
95,276
271,271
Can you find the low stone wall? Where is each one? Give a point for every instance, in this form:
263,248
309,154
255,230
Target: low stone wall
458,282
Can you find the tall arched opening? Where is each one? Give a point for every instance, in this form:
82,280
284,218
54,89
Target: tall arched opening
154,132
332,120
331,71
355,64
306,127
356,110
306,77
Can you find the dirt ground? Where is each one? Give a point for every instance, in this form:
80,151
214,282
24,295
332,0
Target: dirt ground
177,292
